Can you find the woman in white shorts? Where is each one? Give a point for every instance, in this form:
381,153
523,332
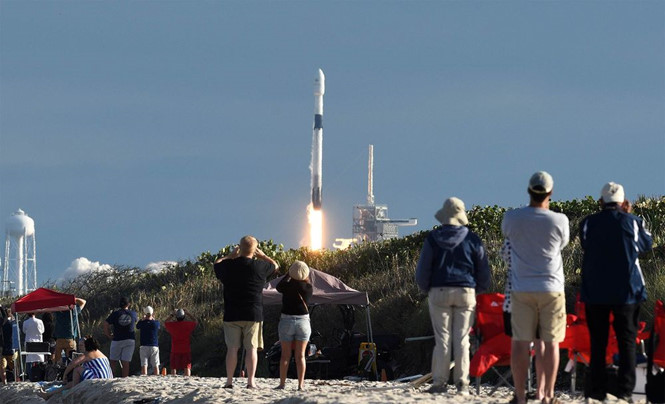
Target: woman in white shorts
294,327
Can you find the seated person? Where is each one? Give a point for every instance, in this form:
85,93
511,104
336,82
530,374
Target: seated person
92,365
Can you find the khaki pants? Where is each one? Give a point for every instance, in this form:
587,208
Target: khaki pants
451,310
61,343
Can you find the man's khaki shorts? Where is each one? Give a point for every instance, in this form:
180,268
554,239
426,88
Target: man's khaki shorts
250,333
542,311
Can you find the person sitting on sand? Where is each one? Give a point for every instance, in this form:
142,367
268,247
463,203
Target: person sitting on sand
294,327
93,365
181,351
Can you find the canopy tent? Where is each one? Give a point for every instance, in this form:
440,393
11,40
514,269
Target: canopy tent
326,290
44,300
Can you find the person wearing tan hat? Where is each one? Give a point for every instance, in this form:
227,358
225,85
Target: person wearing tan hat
453,266
294,328
612,282
536,236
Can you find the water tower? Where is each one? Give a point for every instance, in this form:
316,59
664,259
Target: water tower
19,271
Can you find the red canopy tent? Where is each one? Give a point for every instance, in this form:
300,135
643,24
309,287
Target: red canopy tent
43,300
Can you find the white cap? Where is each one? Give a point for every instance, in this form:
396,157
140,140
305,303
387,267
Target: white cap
541,183
453,212
612,192
148,310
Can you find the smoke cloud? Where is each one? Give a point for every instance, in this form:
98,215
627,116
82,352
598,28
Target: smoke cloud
82,266
159,266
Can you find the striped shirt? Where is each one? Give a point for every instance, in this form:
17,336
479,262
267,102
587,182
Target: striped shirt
98,368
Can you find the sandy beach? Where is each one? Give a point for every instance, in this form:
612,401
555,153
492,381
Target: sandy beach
177,389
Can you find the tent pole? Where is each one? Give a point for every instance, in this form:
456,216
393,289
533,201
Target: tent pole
20,357
369,324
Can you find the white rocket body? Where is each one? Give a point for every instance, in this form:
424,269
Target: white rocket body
317,140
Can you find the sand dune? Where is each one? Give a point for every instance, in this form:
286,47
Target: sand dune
178,389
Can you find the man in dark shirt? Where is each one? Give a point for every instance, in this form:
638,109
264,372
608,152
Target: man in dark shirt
123,343
66,330
612,282
243,278
149,348
9,354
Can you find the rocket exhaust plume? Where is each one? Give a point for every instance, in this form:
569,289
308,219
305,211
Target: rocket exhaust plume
314,213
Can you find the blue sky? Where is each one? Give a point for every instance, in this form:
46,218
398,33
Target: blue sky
135,132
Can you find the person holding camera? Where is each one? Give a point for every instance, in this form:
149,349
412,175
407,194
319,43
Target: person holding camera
294,327
612,282
243,278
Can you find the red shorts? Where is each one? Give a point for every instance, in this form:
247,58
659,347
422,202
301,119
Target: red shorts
181,360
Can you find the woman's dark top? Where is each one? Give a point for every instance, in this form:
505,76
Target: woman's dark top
295,295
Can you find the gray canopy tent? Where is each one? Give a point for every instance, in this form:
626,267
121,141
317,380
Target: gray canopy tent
326,290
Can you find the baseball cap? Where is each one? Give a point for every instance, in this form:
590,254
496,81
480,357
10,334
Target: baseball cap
541,183
148,310
612,193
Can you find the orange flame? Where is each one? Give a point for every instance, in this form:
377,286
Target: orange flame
315,219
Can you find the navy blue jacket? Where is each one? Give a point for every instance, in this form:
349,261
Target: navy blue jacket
611,274
453,256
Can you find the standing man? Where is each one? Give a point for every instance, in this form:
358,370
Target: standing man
123,343
66,329
9,354
612,282
536,236
243,278
149,348
33,328
452,267
181,331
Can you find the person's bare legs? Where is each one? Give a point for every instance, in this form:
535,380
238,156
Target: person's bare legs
125,368
539,348
187,371
284,361
550,366
519,366
299,353
155,370
144,370
231,363
174,371
251,359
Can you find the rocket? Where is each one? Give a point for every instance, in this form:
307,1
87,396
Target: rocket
317,139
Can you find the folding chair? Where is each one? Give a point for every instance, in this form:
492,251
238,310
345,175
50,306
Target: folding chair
493,346
578,342
655,370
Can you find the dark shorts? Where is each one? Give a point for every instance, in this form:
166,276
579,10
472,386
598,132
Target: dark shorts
181,360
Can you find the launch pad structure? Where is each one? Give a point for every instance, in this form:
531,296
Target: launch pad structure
371,221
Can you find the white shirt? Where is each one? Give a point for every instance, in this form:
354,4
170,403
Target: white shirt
33,328
536,237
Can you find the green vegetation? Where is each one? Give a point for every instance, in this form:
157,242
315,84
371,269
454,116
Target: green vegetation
385,270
